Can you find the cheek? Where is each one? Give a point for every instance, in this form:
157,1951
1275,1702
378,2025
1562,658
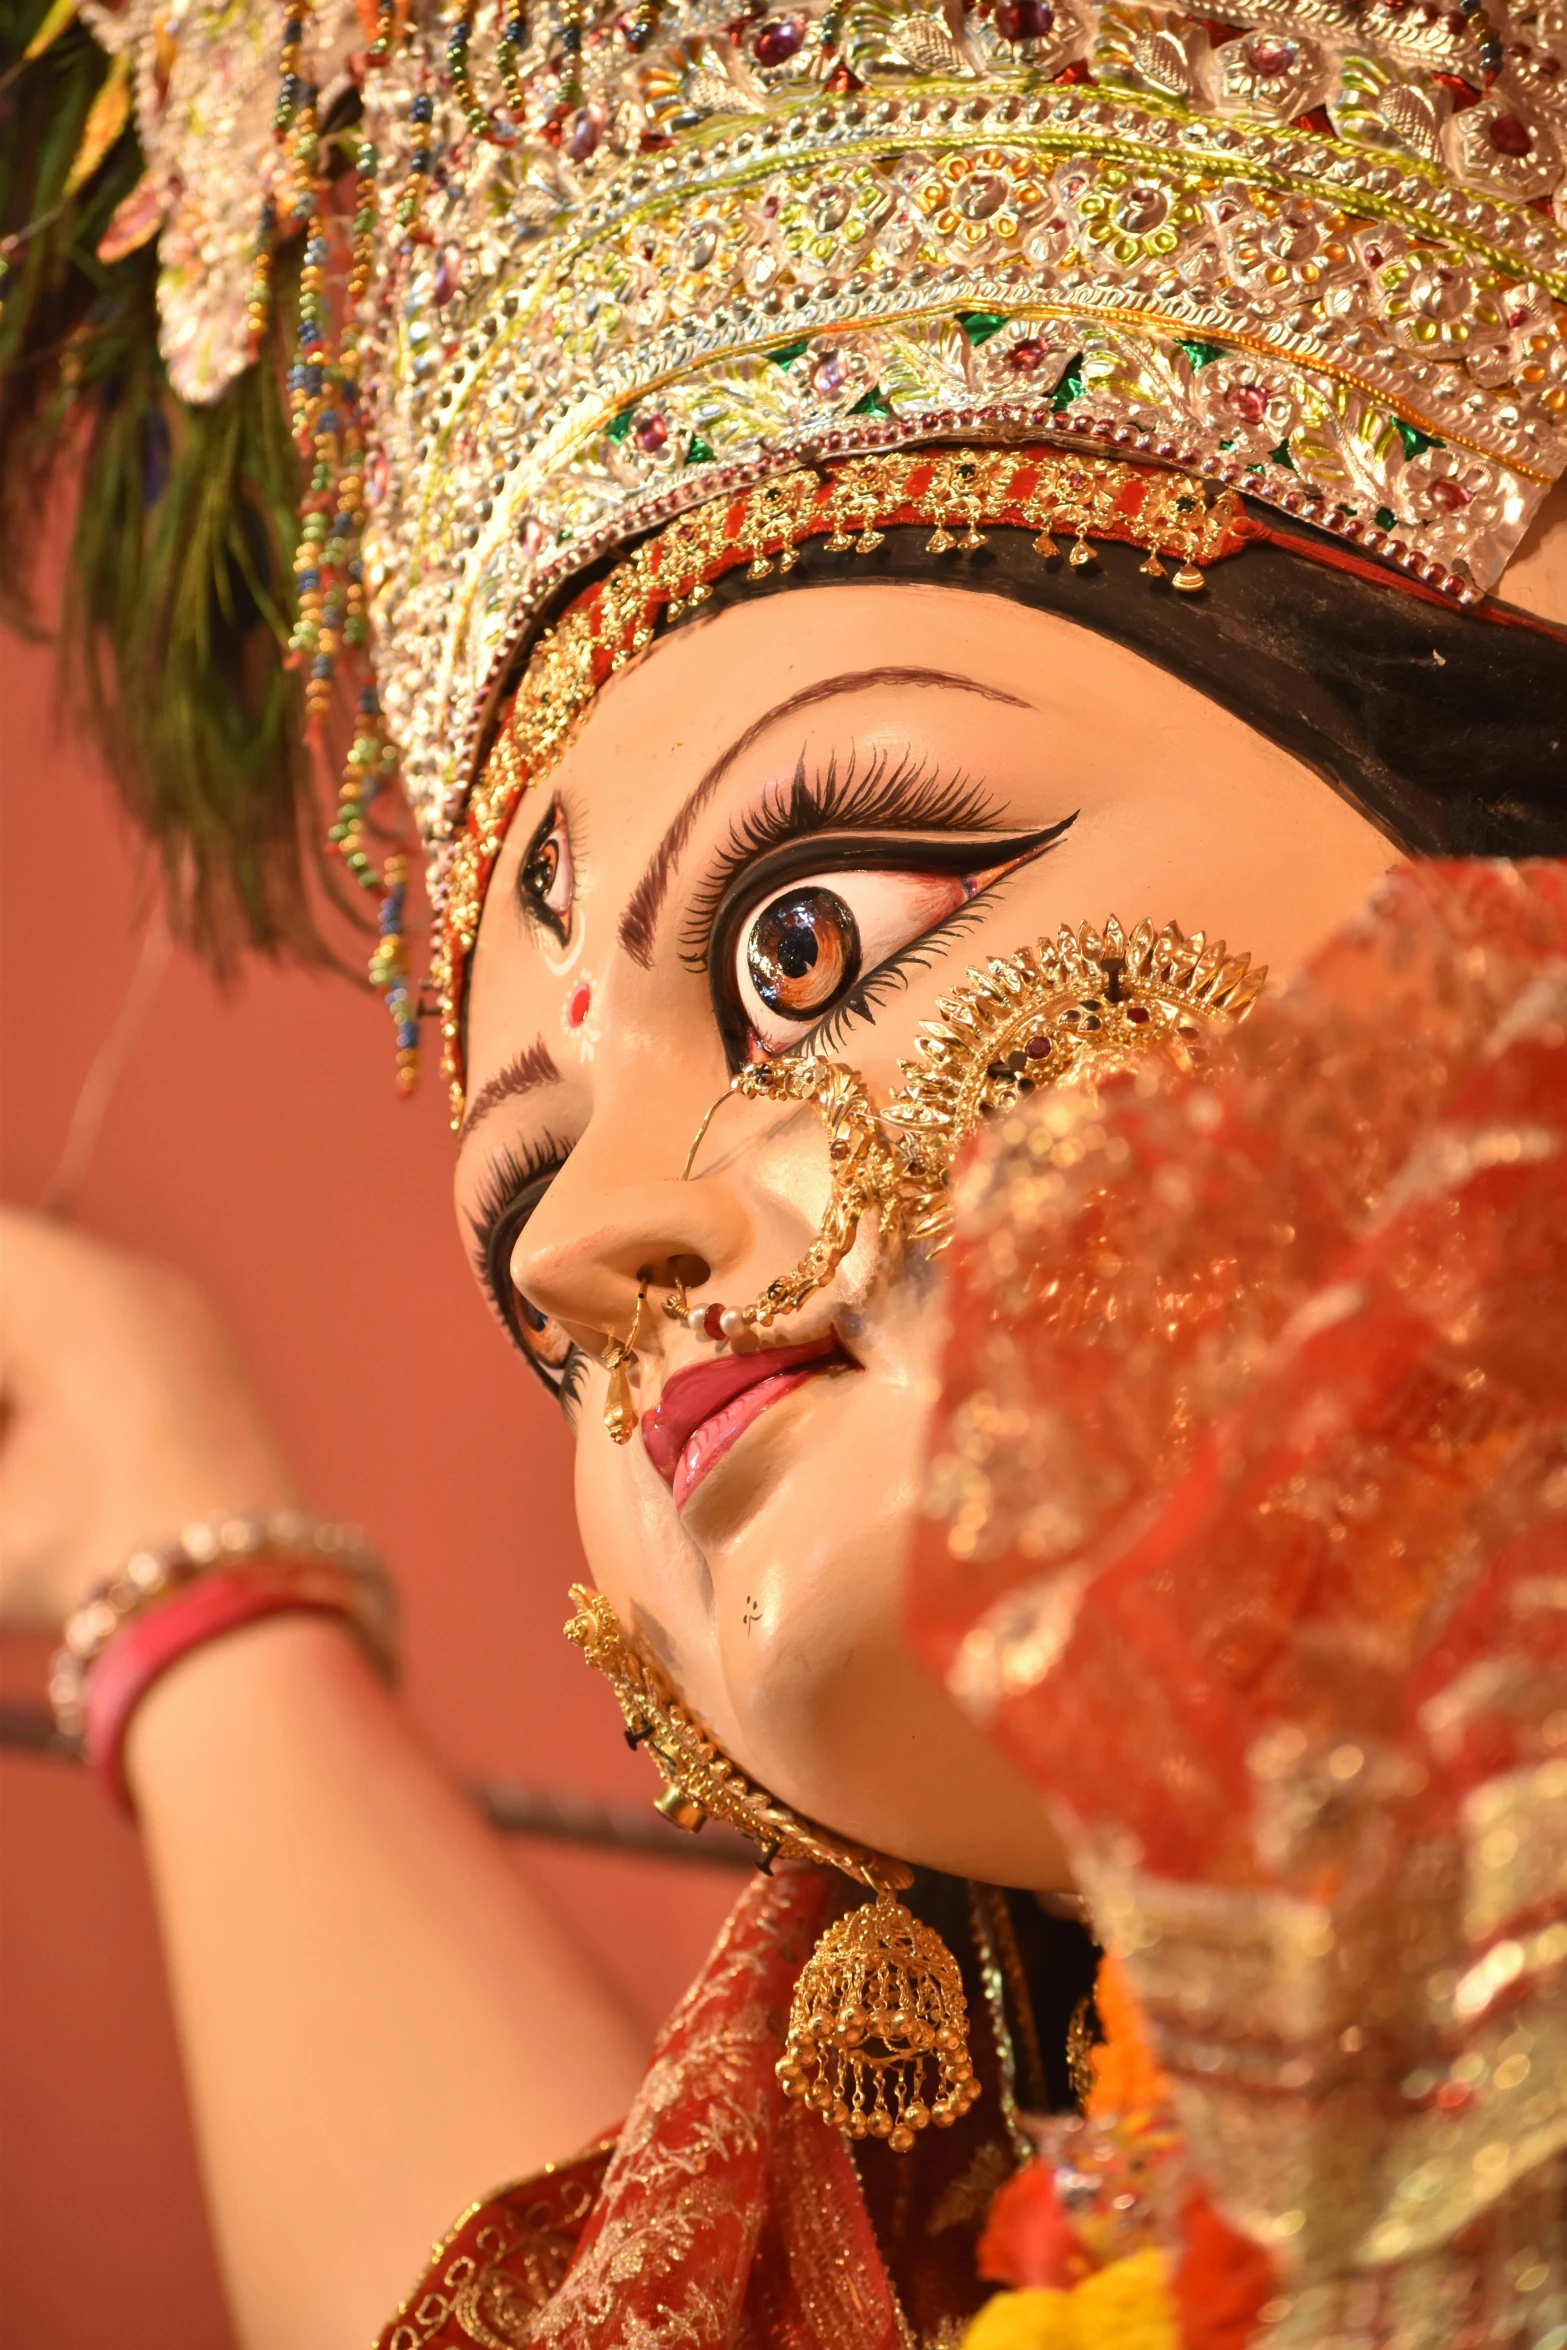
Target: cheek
640,1557
809,1598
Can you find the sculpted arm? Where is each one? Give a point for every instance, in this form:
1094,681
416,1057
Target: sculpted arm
381,2019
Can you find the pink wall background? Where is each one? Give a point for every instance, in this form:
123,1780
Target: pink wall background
256,1141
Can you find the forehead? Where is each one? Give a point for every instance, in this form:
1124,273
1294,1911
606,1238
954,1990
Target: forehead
860,663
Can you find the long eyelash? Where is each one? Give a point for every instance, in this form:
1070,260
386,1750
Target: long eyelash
889,978
889,794
536,916
509,1174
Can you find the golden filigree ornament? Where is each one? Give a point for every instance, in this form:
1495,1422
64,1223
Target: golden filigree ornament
1075,1011
878,2029
1078,1010
878,2042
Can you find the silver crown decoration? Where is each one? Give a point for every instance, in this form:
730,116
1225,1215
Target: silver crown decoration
616,264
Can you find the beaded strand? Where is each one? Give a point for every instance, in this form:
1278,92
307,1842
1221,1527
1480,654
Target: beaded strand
410,205
326,418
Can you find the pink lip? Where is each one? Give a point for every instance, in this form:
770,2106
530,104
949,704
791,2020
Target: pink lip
704,1410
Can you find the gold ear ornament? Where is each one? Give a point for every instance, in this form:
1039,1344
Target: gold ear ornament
1072,1011
878,2026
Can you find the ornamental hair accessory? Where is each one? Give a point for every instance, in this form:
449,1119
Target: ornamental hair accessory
845,509
609,274
878,2027
1070,1013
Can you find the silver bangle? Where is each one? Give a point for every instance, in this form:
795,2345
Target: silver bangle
157,1570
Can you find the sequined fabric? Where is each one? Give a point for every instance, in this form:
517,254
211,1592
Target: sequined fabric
1248,1537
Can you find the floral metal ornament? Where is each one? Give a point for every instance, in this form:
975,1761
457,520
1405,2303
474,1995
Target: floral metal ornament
1080,1010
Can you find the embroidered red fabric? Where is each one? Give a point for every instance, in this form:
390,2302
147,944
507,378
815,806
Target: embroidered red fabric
1249,1535
724,2215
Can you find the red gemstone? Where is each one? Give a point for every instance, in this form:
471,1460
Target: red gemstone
448,274
1509,136
776,43
713,1322
1027,357
1451,496
1024,20
1269,57
1249,403
650,434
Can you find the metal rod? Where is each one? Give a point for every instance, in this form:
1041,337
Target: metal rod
558,1818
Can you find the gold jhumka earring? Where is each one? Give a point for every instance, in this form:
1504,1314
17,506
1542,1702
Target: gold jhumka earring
1065,1013
878,2027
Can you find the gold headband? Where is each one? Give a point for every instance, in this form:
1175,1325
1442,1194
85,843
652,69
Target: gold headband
955,492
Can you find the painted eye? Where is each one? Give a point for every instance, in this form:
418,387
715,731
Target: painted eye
546,882
543,1340
802,952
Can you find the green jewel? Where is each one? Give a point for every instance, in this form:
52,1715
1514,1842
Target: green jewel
980,325
1386,519
1281,456
789,353
1070,387
1200,354
872,405
1414,440
698,452
619,426
1229,444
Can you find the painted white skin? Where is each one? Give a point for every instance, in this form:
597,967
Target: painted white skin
381,2019
773,1594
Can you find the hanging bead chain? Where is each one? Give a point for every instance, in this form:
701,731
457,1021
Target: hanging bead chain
326,418
295,129
571,46
459,34
508,60
383,39
410,205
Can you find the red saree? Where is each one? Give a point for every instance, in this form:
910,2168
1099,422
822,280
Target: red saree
1248,1540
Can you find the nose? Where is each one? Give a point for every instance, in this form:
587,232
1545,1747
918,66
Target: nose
600,1230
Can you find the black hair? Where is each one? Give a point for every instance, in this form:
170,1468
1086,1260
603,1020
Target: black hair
1446,728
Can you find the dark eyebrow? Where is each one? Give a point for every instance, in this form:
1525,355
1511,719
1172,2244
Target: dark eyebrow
640,919
533,1066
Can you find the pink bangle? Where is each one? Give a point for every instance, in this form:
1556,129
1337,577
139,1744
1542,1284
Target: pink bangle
221,1601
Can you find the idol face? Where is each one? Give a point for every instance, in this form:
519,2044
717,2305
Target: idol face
796,823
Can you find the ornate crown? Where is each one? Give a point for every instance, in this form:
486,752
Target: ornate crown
608,266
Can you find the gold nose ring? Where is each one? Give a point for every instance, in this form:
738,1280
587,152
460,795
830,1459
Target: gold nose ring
867,1171
620,1411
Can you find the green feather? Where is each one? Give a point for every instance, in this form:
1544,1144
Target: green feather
179,597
